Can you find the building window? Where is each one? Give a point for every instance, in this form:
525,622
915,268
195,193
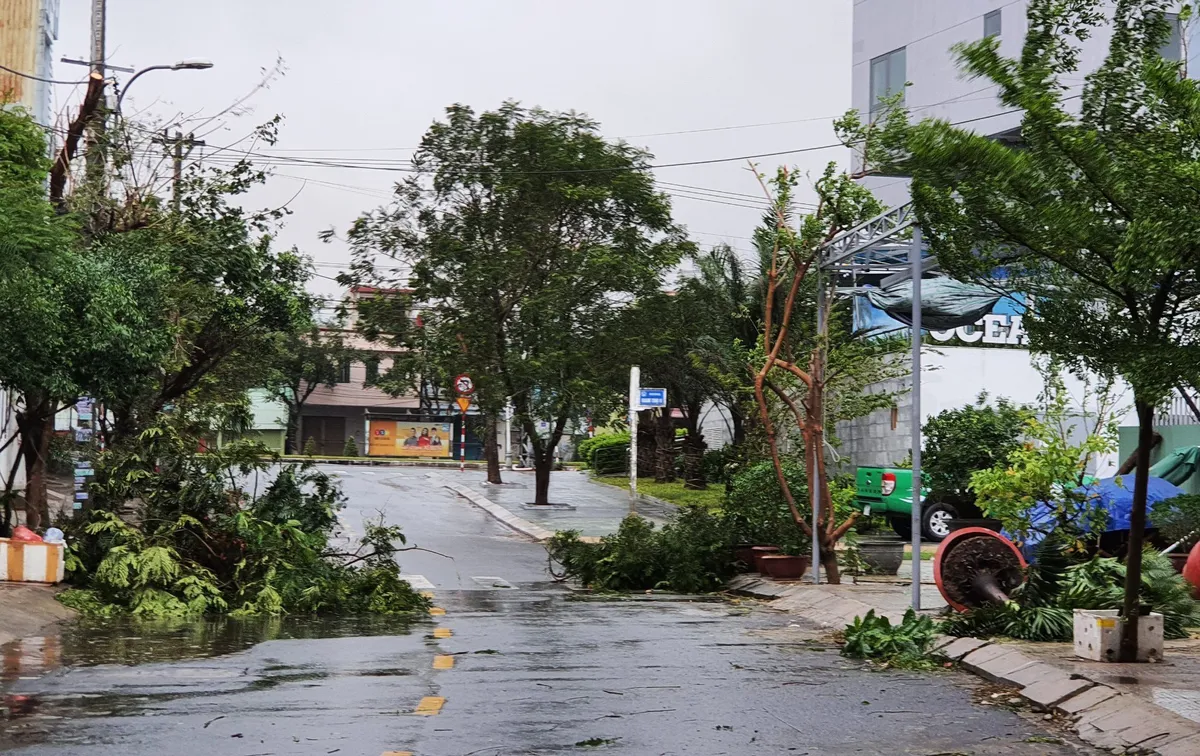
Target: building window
1172,49
991,24
344,372
372,364
888,77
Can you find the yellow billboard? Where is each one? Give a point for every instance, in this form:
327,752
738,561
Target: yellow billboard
395,438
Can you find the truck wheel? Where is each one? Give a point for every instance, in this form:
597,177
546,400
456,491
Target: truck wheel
903,527
935,521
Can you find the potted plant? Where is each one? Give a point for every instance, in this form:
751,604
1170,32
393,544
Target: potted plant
881,555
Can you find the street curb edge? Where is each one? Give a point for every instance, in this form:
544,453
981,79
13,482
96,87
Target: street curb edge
517,523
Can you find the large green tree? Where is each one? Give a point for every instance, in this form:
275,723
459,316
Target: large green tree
527,233
1094,213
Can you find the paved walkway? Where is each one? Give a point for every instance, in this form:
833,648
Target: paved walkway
598,509
1153,708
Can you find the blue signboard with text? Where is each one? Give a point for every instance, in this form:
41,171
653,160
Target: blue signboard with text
652,397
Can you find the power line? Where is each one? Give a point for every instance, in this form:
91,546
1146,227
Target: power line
39,78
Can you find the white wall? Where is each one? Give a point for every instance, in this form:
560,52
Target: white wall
953,377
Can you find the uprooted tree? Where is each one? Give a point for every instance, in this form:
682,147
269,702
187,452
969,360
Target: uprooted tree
818,374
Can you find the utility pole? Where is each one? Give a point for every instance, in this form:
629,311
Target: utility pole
96,154
181,146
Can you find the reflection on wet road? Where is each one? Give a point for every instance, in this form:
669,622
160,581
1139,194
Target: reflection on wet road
512,666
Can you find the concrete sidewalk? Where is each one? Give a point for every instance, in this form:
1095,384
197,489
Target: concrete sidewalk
598,509
1125,708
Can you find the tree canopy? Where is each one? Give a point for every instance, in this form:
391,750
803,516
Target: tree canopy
526,233
1093,214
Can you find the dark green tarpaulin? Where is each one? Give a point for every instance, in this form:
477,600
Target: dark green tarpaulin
945,303
1177,466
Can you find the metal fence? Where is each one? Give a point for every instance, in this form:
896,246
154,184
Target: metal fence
1175,412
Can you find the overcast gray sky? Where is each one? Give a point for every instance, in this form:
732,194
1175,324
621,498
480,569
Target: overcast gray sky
365,78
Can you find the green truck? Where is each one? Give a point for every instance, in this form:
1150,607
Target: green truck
887,491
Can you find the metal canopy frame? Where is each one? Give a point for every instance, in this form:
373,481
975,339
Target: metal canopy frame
889,244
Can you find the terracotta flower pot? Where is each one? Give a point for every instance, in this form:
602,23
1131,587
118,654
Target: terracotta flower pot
745,554
759,552
785,567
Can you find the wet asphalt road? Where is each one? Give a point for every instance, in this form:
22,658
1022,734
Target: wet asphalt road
528,669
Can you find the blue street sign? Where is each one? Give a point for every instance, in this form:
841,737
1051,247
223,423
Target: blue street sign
652,397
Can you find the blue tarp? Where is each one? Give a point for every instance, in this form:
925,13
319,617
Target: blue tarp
1115,495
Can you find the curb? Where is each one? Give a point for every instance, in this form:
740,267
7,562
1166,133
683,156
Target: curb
1101,715
369,462
519,524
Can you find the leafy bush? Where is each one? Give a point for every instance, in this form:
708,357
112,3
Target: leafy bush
1042,609
1049,467
756,512
602,452
721,465
310,447
904,645
961,441
691,555
1178,519
351,447
203,544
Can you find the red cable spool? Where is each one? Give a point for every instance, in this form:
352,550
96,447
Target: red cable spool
977,566
1191,571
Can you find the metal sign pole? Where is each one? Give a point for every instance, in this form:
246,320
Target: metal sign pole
635,385
462,443
914,257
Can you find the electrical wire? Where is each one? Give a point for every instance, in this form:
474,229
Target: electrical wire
39,78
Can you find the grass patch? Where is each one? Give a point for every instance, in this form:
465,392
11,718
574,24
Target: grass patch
710,498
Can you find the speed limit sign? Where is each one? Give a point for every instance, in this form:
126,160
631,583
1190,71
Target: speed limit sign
464,385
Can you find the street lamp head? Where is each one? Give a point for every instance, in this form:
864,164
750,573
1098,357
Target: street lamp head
192,64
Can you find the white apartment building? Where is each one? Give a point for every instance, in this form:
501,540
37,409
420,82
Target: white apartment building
905,46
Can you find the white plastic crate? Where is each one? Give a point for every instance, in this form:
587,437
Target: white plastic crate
1098,635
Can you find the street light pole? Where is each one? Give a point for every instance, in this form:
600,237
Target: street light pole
192,64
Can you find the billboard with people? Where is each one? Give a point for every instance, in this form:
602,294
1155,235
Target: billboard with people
397,438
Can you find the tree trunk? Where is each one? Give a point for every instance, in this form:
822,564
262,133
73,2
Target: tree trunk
693,461
37,428
543,463
1137,533
664,451
291,440
737,419
491,450
647,443
1131,462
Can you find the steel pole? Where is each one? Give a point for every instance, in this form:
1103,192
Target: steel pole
462,443
914,257
508,413
815,484
635,383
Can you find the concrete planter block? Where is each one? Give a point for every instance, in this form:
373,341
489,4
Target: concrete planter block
1098,635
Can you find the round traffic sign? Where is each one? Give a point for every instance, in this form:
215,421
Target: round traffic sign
464,385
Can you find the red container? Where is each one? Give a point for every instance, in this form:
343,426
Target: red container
760,552
1191,571
785,567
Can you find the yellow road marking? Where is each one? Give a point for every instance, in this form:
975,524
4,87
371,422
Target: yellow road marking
428,595
397,753
430,705
442,632
437,611
443,661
